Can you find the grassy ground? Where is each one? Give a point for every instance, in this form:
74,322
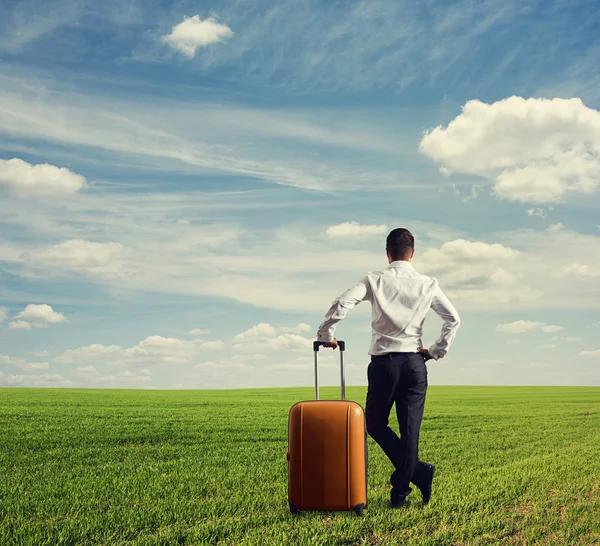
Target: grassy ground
514,466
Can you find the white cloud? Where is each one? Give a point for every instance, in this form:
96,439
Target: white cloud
258,331
206,364
22,364
246,358
51,380
532,365
234,362
83,376
328,360
90,352
581,271
198,332
556,227
572,339
43,314
270,273
302,327
3,313
475,191
38,366
536,150
37,316
590,353
194,32
22,178
211,345
477,271
151,350
265,331
153,345
354,229
265,338
90,376
123,380
551,328
471,252
547,346
540,213
290,366
86,372
522,326
169,350
19,325
512,341
82,255
283,342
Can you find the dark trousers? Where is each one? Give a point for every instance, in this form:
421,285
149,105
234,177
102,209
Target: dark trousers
399,378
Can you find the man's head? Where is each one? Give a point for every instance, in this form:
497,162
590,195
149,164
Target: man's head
400,245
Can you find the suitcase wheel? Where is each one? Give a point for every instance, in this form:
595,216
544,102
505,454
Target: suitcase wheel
293,509
359,509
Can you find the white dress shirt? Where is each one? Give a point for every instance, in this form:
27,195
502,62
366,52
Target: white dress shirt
400,299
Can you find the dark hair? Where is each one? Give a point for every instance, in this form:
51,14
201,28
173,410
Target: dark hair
400,243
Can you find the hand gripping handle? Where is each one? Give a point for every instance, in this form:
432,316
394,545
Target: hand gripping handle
342,348
317,344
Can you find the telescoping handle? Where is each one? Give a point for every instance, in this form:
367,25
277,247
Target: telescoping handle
342,348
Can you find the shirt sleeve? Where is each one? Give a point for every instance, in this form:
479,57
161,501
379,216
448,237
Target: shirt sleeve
340,307
442,306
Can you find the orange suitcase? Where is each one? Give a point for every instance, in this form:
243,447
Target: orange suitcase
327,451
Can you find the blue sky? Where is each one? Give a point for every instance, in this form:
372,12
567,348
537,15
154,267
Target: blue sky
185,187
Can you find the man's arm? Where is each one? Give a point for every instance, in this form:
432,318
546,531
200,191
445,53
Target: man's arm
442,306
340,307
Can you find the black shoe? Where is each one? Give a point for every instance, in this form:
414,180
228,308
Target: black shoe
425,487
396,500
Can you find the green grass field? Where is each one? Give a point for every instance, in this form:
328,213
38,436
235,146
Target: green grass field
515,465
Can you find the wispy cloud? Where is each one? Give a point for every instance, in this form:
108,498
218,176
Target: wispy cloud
390,44
539,212
354,229
270,267
211,138
26,21
522,326
104,259
152,350
22,364
568,339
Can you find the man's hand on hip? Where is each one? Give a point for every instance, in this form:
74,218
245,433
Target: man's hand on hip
425,353
333,344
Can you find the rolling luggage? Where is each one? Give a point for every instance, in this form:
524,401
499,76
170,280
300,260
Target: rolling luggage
327,451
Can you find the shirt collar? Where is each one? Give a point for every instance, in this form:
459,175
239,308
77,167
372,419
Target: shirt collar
401,263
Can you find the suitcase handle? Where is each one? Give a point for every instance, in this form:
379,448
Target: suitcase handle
342,347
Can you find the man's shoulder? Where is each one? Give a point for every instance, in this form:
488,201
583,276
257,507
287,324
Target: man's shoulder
431,282
427,279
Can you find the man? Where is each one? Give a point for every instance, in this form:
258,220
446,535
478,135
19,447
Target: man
400,299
